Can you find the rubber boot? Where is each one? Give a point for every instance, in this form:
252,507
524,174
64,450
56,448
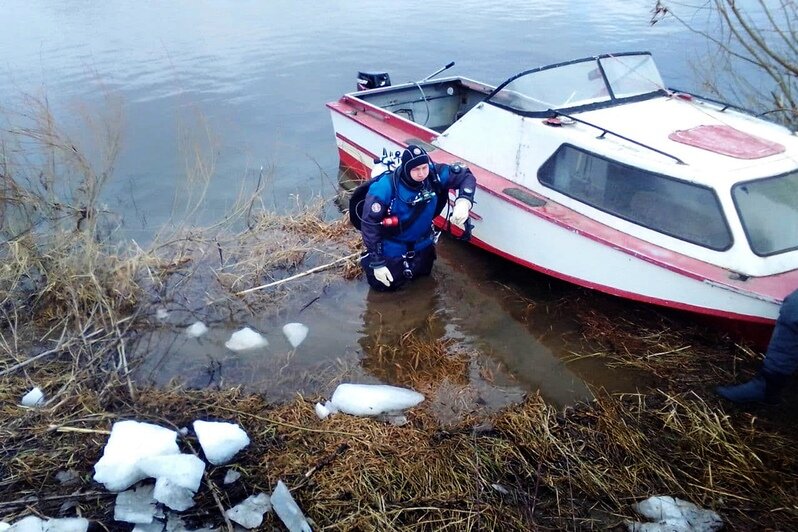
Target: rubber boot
763,388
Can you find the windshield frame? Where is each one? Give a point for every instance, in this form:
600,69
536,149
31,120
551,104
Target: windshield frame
611,98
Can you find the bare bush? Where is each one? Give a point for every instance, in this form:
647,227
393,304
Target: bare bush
753,56
51,179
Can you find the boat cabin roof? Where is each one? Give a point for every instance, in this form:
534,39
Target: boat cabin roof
621,97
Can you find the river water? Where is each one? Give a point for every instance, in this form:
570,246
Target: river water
245,85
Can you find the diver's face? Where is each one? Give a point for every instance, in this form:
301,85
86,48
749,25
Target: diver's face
419,173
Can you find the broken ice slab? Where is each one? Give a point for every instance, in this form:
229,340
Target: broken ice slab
397,420
30,523
136,505
175,524
33,523
129,442
249,512
220,441
287,509
155,526
174,496
669,513
231,476
66,524
373,399
184,470
322,411
33,398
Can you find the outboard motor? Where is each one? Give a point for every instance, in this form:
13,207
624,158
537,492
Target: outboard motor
372,80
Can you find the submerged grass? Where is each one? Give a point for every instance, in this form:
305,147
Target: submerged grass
73,306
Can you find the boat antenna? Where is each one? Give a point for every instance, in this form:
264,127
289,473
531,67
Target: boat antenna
446,67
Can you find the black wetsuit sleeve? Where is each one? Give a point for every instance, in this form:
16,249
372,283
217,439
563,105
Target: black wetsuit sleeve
374,211
459,178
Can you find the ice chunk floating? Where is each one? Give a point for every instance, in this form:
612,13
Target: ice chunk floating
196,329
296,333
373,399
244,339
220,441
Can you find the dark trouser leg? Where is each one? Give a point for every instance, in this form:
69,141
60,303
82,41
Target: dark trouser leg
781,361
421,264
403,269
782,354
763,388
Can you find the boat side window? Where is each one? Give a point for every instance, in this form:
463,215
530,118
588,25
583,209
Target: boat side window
768,210
677,208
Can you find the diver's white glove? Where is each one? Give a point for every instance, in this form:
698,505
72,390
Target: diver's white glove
383,275
461,211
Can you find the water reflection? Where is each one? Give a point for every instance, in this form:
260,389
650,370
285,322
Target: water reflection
256,75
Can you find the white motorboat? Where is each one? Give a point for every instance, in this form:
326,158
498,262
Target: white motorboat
594,172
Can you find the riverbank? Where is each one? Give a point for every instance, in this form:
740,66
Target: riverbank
73,309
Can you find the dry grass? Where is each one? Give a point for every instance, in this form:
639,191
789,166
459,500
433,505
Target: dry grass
532,466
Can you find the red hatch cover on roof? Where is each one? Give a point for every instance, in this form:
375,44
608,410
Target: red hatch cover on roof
727,141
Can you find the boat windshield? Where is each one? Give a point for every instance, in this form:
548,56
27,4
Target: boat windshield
768,209
595,80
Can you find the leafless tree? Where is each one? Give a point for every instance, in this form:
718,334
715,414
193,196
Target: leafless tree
753,57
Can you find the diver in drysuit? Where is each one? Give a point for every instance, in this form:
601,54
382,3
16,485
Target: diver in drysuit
397,217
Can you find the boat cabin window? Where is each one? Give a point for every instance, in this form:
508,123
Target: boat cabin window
586,82
676,208
768,210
